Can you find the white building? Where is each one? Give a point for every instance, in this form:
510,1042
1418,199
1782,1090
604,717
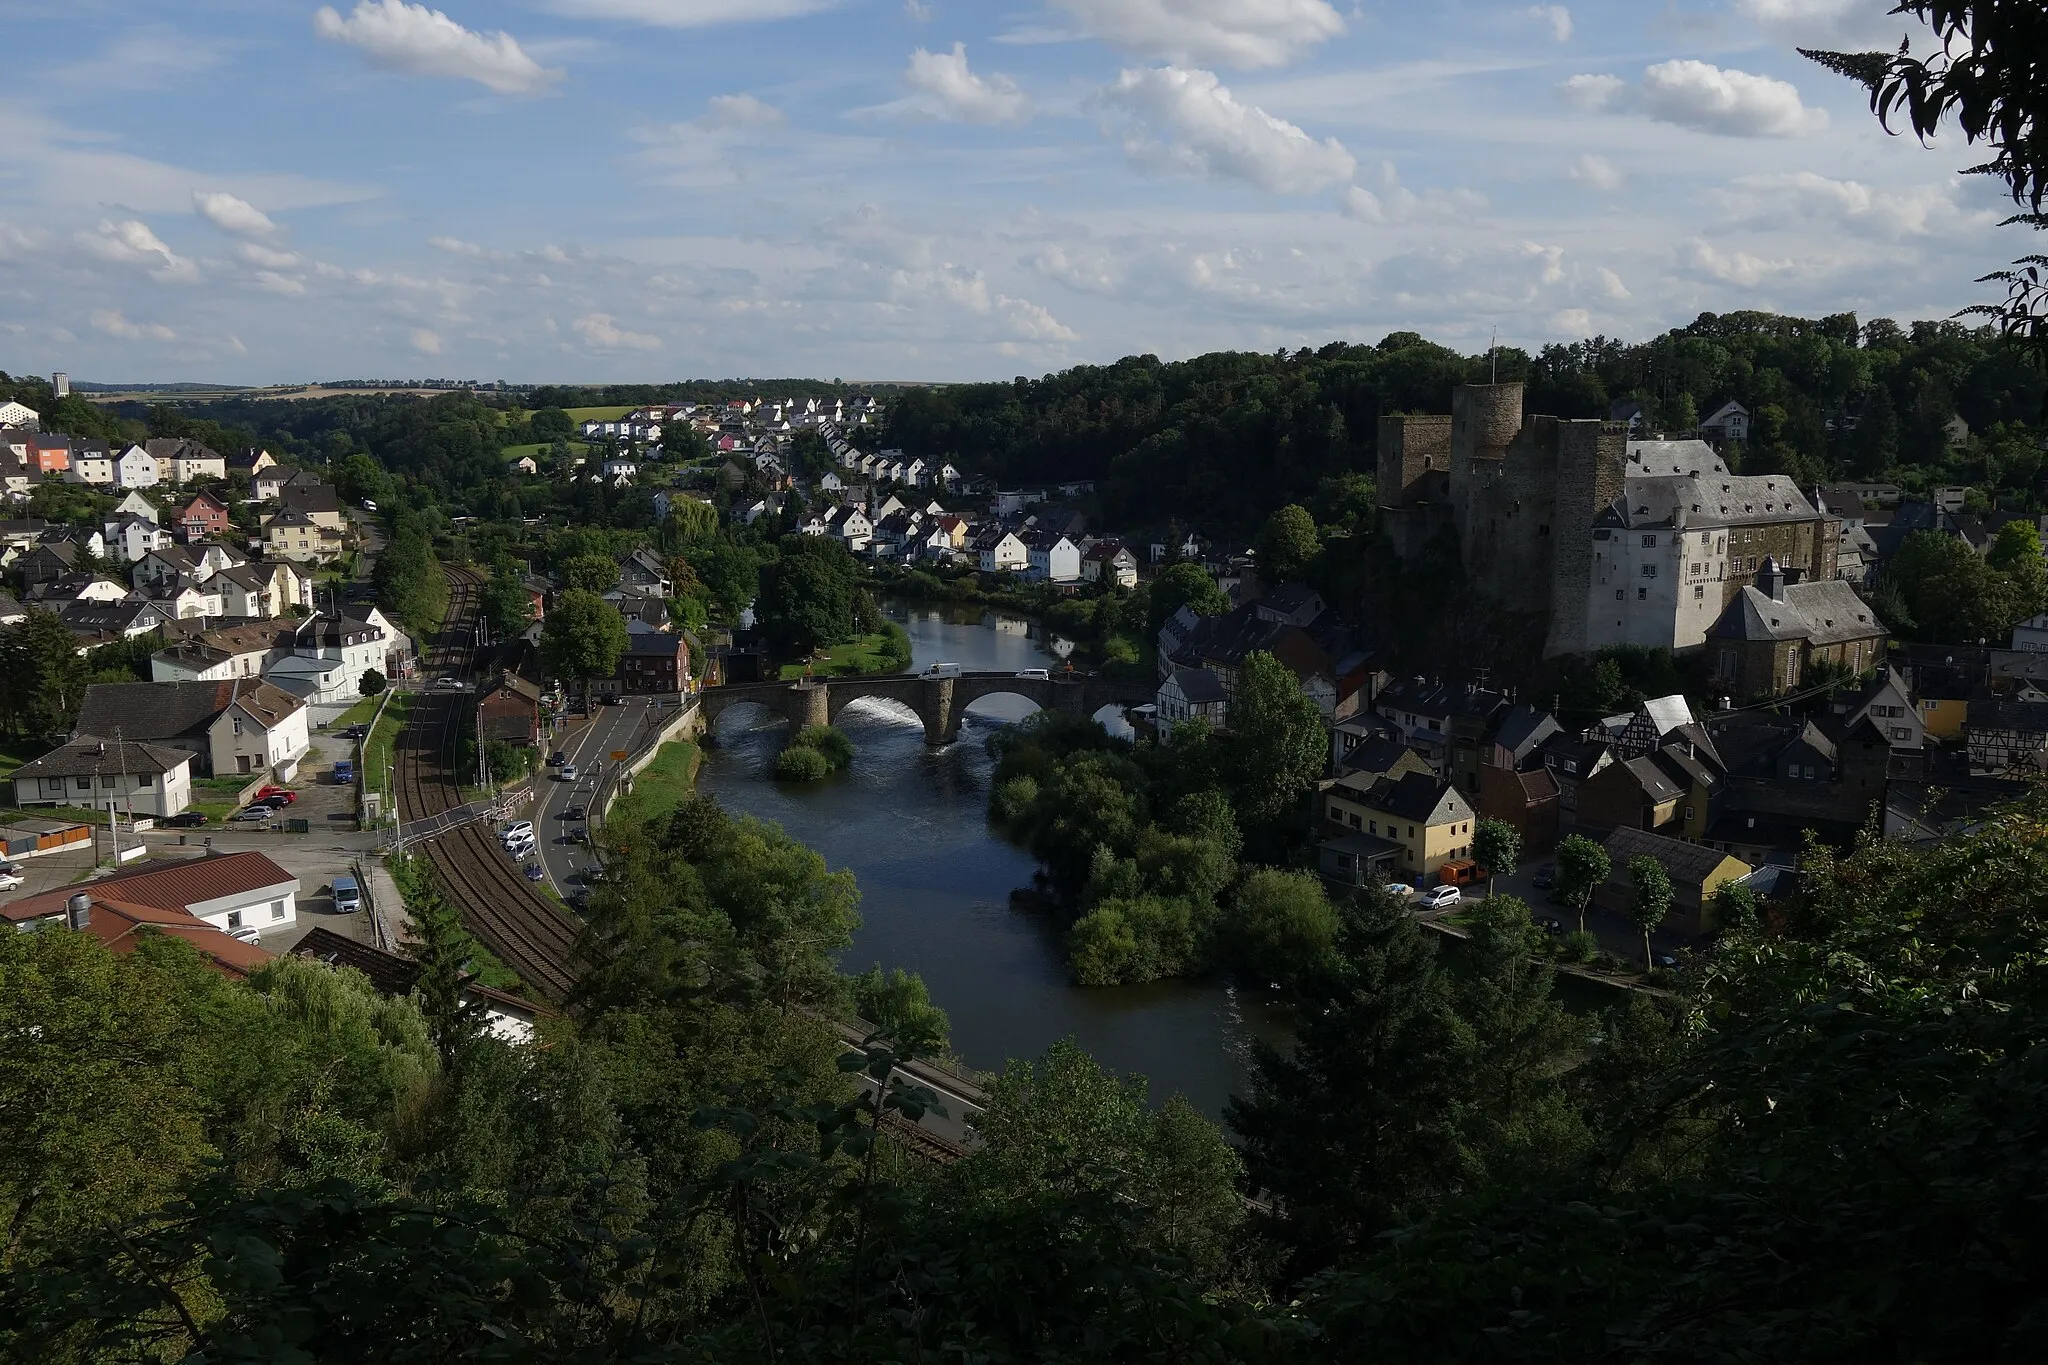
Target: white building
1052,559
135,469
1004,554
13,414
90,771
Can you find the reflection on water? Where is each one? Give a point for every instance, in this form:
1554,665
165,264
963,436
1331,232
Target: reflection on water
911,824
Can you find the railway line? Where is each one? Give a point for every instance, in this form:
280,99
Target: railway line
528,932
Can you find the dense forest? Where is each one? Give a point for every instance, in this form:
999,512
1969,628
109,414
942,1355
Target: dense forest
1221,440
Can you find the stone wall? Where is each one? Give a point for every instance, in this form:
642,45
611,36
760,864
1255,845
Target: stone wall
1806,546
1591,463
1410,448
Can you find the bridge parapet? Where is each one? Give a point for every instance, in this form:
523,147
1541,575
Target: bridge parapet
938,702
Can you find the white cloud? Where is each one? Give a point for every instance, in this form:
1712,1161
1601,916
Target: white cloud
1571,322
1245,33
690,13
236,217
959,93
1032,322
455,246
1552,271
1696,95
425,42
131,242
917,10
740,111
1809,199
1796,21
1557,16
426,342
1089,270
1733,267
1611,284
1596,172
1202,130
601,332
271,282
270,258
1393,202
111,321
1593,92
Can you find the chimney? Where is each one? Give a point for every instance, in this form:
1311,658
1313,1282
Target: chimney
1770,579
78,911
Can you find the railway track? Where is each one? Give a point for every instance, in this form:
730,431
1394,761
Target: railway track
528,932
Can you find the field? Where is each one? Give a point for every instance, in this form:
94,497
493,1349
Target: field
865,655
582,415
663,786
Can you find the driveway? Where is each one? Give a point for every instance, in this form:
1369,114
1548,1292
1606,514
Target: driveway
1617,933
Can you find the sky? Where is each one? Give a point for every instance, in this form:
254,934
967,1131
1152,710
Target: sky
267,191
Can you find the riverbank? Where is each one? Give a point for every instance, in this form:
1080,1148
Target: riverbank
1101,627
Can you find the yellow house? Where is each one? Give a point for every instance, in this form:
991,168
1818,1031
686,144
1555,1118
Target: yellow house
1944,716
1419,812
292,534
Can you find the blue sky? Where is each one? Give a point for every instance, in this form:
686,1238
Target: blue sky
587,190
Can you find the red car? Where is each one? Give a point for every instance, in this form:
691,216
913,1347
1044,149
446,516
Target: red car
277,794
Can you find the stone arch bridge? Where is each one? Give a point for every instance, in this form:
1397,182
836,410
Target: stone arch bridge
938,702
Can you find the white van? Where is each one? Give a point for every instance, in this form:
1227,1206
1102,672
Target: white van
943,671
348,897
1041,674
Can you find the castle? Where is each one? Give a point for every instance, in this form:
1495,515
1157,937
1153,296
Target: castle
1616,541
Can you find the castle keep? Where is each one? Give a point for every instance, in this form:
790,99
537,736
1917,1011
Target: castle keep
1616,541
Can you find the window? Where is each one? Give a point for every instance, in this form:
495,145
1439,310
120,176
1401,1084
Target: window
1373,827
1642,594
1649,570
1619,594
1688,812
1649,542
1542,530
238,724
109,782
234,919
277,909
1901,732
85,784
1699,594
1411,831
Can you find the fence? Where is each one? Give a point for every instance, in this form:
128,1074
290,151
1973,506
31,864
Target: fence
644,751
362,760
380,931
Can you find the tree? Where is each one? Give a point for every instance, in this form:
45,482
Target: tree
371,683
1276,738
1652,901
1282,925
898,1003
2016,554
598,573
507,605
551,424
811,596
1582,869
1357,1129
583,637
42,679
1736,909
1286,545
1182,585
444,950
1953,596
1497,846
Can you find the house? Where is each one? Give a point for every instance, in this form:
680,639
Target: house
49,561
132,537
644,572
505,1015
183,600
267,483
13,414
228,892
90,771
134,504
250,463
319,502
1001,551
853,527
654,662
92,462
1110,561
1525,798
136,468
1423,815
11,612
1051,559
1772,634
100,623
1887,703
1729,422
1696,874
2006,736
294,534
75,587
203,518
509,711
237,727
1634,793
120,924
183,461
1192,694
524,464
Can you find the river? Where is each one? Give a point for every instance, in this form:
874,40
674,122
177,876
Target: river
911,824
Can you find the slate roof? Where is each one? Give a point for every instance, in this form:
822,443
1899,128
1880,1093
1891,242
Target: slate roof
1199,686
1649,458
653,644
1657,784
1412,796
1688,864
2029,717
1375,755
87,755
1523,729
1709,500
1824,611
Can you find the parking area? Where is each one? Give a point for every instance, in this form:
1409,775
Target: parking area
1617,934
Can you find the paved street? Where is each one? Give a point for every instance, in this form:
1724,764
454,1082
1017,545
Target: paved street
611,729
1617,934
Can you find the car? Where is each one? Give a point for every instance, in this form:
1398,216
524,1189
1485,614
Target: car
10,879
184,819
279,793
368,505
1400,889
246,935
1551,924
356,731
348,895
593,874
574,813
1041,674
1666,961
521,850
567,773
250,815
447,684
1441,898
557,759
615,700
1545,878
517,827
533,872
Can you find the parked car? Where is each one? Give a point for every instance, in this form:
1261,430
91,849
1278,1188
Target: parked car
10,877
574,813
1545,878
184,819
247,935
1441,898
614,700
345,772
1400,889
1460,872
1666,961
1551,924
516,828
356,731
251,815
533,872
557,759
282,794
449,685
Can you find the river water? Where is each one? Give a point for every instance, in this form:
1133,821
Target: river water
911,824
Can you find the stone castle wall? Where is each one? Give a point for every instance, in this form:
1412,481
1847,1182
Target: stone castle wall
1592,461
1410,449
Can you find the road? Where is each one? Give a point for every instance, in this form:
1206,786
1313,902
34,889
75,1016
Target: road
612,729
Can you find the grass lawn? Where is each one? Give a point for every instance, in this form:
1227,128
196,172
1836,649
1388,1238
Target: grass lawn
582,415
377,748
12,756
359,714
514,452
863,655
663,786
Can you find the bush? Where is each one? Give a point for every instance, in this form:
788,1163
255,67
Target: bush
1580,945
1012,800
802,763
830,742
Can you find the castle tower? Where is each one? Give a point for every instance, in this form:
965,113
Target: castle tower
1592,464
1485,418
1414,464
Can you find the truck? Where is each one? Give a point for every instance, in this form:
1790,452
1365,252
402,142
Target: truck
943,671
345,772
